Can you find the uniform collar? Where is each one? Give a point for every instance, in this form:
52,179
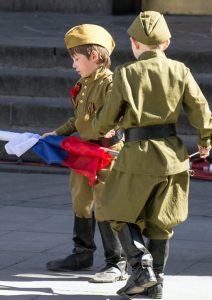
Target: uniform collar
97,74
151,53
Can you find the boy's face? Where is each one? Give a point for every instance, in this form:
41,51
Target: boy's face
85,66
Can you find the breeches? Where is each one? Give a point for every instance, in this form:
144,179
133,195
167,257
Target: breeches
87,199
155,203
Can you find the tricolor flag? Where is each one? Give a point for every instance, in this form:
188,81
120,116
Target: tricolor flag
83,157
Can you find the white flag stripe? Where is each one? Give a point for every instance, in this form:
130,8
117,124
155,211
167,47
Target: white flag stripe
19,143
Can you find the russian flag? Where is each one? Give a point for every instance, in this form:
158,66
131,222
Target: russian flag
83,157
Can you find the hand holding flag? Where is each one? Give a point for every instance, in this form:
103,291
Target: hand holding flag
83,157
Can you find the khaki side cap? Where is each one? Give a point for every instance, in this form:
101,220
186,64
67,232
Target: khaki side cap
89,34
149,28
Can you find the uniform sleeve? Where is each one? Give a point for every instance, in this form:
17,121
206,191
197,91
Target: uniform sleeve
198,111
67,128
107,117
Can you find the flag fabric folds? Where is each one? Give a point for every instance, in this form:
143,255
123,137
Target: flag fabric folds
83,157
18,143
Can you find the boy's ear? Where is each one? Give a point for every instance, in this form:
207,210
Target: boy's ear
94,56
166,44
135,43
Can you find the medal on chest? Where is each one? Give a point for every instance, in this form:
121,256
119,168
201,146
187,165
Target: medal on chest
90,111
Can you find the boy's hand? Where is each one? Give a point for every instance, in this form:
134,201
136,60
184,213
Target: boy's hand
204,151
110,134
49,133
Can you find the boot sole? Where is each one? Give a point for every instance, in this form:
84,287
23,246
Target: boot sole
155,295
101,280
128,293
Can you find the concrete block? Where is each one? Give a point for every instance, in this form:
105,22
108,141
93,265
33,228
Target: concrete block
5,115
189,7
36,82
30,57
73,6
38,115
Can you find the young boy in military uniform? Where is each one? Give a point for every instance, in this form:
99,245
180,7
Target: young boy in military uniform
90,47
146,193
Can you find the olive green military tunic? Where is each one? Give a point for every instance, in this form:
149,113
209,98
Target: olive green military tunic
91,96
149,182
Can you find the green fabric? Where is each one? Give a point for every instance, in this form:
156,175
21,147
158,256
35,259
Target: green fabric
152,91
90,97
149,28
149,183
155,203
86,199
93,95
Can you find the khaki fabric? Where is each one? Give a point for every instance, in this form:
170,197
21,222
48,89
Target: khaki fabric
86,199
149,28
152,91
89,34
155,203
91,97
82,196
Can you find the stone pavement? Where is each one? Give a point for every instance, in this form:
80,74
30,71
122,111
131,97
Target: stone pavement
36,220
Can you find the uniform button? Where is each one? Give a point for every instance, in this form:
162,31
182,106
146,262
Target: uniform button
85,87
81,101
83,94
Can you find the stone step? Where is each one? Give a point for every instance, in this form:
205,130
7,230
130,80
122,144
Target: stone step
39,38
54,82
51,57
73,6
33,114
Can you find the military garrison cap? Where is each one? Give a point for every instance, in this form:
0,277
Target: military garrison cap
149,28
89,34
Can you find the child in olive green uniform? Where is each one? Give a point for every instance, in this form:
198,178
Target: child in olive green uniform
90,47
146,193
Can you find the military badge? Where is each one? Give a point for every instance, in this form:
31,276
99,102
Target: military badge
73,93
87,117
91,108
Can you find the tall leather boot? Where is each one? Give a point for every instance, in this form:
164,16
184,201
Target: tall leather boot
84,247
160,251
116,264
140,260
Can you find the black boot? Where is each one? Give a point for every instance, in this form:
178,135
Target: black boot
84,246
140,260
116,264
160,251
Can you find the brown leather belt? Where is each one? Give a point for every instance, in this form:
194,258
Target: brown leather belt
107,143
149,132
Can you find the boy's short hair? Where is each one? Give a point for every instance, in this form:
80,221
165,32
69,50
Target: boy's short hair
104,58
149,28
